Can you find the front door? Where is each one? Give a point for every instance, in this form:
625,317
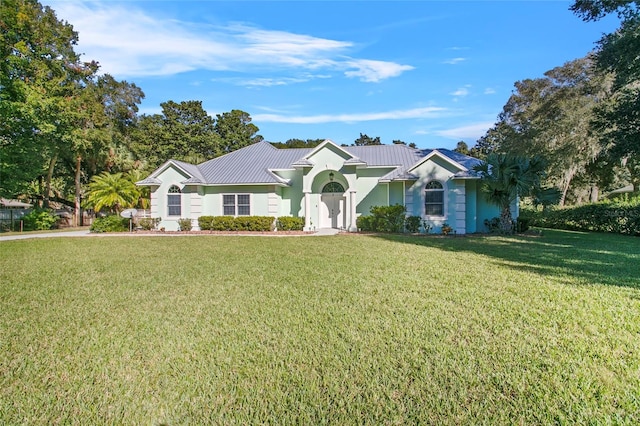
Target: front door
332,206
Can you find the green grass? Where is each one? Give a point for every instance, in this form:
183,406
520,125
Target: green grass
321,330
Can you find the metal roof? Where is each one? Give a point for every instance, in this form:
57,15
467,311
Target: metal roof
253,164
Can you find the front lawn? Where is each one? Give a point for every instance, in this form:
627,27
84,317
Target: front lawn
320,330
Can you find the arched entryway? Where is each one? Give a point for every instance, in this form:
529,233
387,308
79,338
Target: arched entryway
332,206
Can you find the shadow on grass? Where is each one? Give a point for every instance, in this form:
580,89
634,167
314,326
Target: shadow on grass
584,258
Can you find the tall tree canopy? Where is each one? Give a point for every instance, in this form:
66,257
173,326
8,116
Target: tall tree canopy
550,116
184,131
617,119
236,130
39,72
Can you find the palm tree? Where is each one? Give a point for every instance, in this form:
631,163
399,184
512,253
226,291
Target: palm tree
505,177
113,191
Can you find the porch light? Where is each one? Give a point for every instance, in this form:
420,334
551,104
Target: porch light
331,176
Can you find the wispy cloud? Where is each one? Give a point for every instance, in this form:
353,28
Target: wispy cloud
489,91
471,131
454,61
463,91
128,42
426,112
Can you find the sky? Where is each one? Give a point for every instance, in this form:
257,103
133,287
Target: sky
428,72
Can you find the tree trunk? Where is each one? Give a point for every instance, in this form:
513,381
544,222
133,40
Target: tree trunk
77,210
47,187
595,193
506,221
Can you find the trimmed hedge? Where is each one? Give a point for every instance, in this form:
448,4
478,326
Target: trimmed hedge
240,223
609,216
289,223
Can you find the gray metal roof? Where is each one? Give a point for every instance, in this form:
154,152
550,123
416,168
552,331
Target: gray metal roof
253,164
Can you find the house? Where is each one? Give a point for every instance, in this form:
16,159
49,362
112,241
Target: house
329,185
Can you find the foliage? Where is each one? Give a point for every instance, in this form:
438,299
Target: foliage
232,330
446,229
113,223
412,224
113,191
39,71
254,223
383,219
239,223
149,223
236,130
205,222
298,143
289,223
183,131
365,140
505,177
39,220
222,223
184,225
617,122
550,117
493,225
620,217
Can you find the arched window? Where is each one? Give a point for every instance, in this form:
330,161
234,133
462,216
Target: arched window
434,199
333,187
174,201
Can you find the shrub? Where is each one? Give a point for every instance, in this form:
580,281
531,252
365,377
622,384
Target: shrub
205,222
222,223
39,220
254,223
522,224
412,224
446,229
493,225
289,223
619,217
365,223
383,219
110,224
184,224
149,223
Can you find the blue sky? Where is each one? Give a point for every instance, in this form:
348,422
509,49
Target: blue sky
427,72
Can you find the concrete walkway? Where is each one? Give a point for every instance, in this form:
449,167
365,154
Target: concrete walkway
85,233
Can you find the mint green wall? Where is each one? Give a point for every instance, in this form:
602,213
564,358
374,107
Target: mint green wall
291,197
170,176
212,203
396,193
370,192
434,169
471,200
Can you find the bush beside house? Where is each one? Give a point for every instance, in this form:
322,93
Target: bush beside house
619,217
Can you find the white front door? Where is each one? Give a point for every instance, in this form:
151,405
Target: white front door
332,210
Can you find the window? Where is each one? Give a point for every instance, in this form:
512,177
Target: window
434,199
333,187
174,201
236,204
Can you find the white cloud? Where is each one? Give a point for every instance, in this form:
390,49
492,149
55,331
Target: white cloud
463,91
426,112
129,42
454,61
470,131
375,71
489,91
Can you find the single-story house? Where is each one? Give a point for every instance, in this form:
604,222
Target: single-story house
329,185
